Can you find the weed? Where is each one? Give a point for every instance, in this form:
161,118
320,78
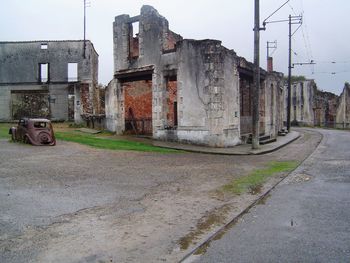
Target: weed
253,182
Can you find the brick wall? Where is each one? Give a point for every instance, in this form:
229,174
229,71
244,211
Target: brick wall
138,106
171,100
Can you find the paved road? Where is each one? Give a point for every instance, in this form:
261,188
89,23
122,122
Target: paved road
305,219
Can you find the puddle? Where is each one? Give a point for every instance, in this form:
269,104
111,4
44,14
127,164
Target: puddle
203,248
263,200
214,218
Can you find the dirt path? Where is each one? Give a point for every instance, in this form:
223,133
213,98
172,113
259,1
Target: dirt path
71,203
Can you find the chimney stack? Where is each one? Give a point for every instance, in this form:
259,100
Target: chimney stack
269,64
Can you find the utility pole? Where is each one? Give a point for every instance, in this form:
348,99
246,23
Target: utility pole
84,50
270,45
289,90
291,20
256,86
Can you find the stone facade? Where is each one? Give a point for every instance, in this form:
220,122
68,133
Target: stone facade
343,111
313,107
303,103
192,88
48,79
271,100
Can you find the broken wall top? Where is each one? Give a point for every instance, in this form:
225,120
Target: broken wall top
20,60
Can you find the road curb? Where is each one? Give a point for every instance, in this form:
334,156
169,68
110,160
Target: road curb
213,151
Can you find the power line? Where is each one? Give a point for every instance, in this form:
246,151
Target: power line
334,62
307,45
330,72
292,9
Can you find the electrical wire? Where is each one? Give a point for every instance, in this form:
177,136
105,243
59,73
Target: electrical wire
305,35
330,72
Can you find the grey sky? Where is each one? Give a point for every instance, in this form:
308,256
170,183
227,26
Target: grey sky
324,36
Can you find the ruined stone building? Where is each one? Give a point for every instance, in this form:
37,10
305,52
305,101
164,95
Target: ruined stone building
343,111
313,107
185,90
303,96
53,79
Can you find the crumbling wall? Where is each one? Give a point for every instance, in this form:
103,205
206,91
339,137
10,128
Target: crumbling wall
138,106
325,105
312,107
271,101
171,97
343,110
30,103
273,104
22,70
112,106
303,96
195,84
208,92
246,107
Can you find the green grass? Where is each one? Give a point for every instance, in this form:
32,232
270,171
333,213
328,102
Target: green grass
4,130
109,143
97,141
255,179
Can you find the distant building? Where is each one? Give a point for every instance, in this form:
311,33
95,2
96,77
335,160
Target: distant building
53,79
343,111
313,107
194,91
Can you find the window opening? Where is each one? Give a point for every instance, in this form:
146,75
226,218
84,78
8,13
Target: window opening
171,89
72,72
44,72
43,46
134,40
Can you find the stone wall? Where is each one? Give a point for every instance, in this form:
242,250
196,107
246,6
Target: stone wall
34,66
343,111
195,92
208,92
303,95
313,107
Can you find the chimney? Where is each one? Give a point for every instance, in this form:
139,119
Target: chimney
269,64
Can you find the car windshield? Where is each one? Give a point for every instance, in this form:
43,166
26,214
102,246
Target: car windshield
40,124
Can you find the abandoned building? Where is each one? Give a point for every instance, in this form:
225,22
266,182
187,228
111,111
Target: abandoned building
343,111
313,107
185,90
52,79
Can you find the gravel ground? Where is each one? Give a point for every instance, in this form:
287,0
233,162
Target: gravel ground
72,203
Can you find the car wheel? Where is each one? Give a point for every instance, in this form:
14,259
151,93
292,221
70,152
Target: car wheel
44,138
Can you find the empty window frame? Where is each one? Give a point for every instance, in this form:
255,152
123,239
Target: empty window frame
44,72
43,46
72,72
134,40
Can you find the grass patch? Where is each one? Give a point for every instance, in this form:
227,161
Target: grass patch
4,130
254,180
109,143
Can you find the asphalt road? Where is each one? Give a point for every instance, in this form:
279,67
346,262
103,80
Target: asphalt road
304,219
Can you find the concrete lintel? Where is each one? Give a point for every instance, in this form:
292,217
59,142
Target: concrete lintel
134,19
134,73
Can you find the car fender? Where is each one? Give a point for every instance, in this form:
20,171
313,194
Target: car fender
29,139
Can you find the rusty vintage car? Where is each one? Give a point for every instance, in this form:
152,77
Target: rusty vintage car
34,131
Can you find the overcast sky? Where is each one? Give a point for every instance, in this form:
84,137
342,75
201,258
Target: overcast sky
324,36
